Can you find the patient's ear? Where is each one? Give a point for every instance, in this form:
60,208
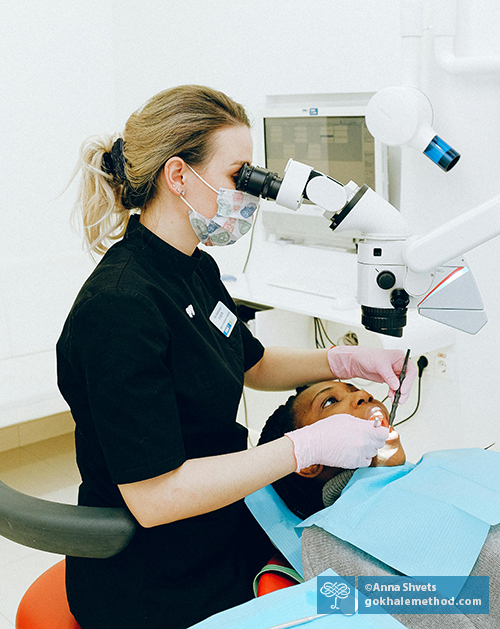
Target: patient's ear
311,472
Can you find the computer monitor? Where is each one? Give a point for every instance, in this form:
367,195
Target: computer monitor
333,140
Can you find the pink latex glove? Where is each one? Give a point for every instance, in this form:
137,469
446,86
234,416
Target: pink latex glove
337,441
377,365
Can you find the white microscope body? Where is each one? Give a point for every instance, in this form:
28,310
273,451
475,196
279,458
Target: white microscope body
396,270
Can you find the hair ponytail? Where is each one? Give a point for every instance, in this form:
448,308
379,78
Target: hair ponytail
98,206
178,121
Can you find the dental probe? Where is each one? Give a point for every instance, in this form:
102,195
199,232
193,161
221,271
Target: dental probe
397,395
297,622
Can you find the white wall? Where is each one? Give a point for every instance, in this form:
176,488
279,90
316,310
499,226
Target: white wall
57,83
57,87
255,48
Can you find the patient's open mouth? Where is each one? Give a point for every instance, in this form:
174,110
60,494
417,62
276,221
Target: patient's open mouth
377,411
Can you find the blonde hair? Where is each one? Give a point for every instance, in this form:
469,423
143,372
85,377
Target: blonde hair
178,121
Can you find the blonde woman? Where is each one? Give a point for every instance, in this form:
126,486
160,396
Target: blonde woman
152,361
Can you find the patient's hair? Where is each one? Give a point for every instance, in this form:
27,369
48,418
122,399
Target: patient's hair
301,495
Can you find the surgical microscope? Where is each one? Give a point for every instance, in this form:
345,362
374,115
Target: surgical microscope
396,270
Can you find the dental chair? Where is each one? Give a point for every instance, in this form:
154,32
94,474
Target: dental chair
78,531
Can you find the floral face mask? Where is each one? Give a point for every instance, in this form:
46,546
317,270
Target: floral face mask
234,218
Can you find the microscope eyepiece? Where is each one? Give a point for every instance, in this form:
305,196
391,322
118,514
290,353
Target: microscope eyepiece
258,181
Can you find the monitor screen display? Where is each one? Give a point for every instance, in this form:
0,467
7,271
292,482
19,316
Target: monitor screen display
339,146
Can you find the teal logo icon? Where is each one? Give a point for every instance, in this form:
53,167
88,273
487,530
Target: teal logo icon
335,590
336,595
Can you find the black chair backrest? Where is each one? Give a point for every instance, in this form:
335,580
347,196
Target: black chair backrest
96,532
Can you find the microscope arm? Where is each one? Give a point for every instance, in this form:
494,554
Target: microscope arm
454,238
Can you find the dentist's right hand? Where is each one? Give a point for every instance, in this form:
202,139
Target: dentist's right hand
337,441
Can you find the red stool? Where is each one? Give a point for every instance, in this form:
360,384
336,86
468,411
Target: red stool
271,578
44,605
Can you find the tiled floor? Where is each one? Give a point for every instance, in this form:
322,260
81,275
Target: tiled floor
47,470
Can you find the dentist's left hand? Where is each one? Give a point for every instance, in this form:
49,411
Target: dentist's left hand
377,365
337,441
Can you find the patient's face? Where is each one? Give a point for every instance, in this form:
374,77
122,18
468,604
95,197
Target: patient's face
332,397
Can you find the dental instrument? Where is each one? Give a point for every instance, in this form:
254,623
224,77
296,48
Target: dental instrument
297,622
397,395
375,414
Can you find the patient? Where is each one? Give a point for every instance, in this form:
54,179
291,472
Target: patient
304,493
317,486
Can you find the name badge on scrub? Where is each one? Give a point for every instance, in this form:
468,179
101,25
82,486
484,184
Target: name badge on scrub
223,318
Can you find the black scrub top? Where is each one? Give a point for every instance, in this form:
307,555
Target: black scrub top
152,382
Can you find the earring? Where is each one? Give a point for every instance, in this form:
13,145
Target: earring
183,192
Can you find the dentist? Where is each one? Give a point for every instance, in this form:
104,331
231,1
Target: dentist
152,361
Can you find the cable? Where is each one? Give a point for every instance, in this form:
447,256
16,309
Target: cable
323,328
319,341
422,363
251,239
319,330
320,333
245,410
349,338
416,407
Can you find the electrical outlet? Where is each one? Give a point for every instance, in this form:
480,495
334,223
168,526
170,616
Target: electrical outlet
440,365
